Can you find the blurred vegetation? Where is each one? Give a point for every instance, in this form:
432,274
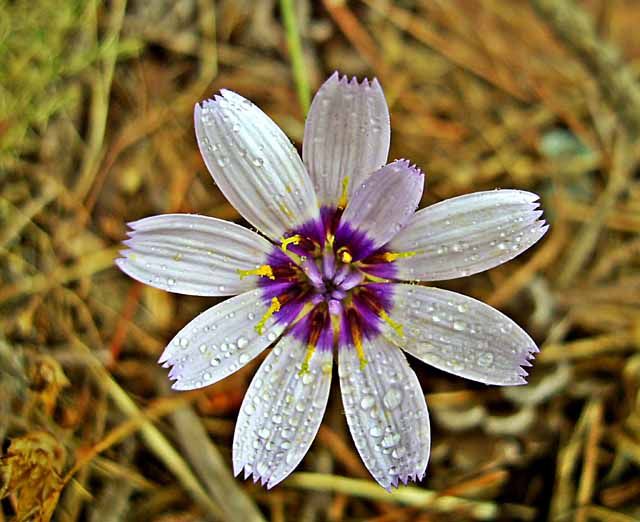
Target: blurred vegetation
96,103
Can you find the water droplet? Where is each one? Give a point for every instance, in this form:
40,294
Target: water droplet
485,359
392,398
367,401
183,342
261,469
214,362
399,452
263,433
307,378
286,433
258,162
249,409
203,348
285,445
222,161
242,342
272,336
390,440
375,431
244,358
171,281
459,326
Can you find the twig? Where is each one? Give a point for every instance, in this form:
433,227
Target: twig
410,496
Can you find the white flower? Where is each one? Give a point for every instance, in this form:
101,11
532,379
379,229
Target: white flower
341,239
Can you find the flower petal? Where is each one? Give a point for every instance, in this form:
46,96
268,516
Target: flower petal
381,206
219,341
281,412
468,234
255,165
386,412
193,255
460,335
347,133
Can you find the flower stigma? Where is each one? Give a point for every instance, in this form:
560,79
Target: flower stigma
329,287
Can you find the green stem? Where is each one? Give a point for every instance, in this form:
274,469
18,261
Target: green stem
295,51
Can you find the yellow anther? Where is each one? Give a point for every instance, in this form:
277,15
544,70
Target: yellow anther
344,255
307,358
392,256
285,242
262,271
393,324
273,308
342,202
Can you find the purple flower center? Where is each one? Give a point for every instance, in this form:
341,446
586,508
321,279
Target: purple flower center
328,282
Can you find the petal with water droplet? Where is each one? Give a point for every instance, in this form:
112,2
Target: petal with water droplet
219,341
468,234
255,165
281,412
460,335
192,254
381,206
347,133
386,412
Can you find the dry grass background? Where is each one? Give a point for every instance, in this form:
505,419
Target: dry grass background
96,130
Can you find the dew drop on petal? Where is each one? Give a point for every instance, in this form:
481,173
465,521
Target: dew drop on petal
459,326
375,431
392,398
399,452
485,359
367,401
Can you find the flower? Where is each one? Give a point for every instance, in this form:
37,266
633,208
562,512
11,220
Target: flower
335,270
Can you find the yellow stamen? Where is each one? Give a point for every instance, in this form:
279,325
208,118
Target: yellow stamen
357,340
285,242
273,308
263,271
392,256
345,255
342,202
374,279
307,358
399,329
